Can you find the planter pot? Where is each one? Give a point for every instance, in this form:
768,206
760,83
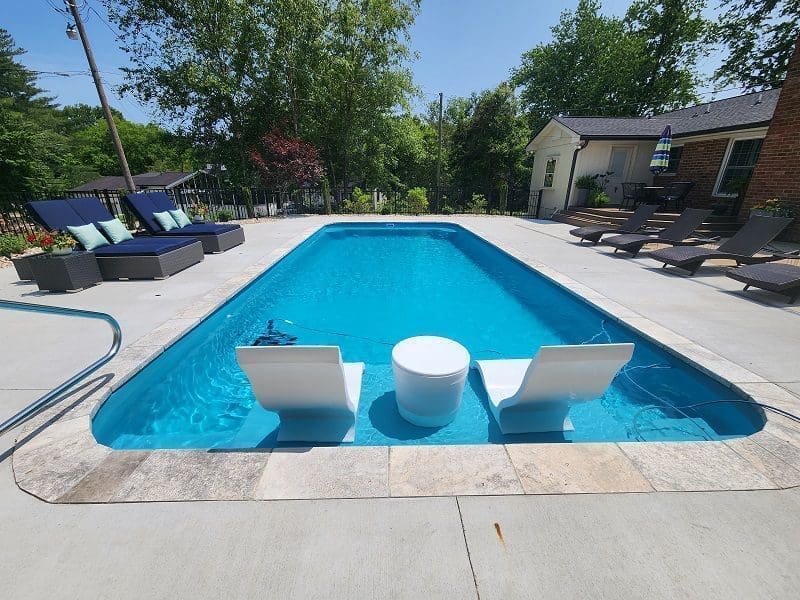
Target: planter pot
198,219
581,197
22,264
58,251
760,213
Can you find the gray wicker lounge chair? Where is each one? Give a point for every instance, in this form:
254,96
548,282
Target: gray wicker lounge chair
635,223
780,278
756,233
139,258
676,234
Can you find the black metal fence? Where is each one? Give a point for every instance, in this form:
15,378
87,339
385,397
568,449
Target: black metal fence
234,203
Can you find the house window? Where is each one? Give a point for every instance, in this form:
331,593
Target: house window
742,159
674,160
550,172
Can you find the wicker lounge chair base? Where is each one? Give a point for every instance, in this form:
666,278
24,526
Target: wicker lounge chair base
780,278
150,267
213,244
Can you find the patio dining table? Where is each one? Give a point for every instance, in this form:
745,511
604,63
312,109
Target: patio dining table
651,193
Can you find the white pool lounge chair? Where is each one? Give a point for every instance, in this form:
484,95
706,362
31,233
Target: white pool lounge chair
534,396
315,394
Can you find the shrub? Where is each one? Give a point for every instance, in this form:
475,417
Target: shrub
417,201
447,210
360,203
225,215
12,244
477,205
599,198
586,182
385,210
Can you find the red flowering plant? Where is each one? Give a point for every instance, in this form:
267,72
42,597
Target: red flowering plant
285,162
47,240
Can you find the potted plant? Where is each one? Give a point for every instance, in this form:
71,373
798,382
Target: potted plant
56,243
15,248
772,207
585,184
199,212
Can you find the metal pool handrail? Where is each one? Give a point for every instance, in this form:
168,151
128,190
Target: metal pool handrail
42,402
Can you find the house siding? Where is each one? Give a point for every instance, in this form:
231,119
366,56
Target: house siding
701,163
777,174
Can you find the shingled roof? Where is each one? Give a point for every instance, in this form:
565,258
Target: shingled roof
162,180
739,112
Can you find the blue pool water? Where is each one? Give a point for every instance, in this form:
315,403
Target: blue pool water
365,287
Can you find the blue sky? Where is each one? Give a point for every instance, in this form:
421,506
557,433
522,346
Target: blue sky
462,46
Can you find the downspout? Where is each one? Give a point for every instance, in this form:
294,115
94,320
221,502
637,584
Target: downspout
582,145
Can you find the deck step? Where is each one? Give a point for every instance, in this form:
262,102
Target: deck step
722,226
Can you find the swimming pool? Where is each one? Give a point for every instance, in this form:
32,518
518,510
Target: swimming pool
365,287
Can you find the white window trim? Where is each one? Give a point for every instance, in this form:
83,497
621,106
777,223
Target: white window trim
742,138
555,171
672,173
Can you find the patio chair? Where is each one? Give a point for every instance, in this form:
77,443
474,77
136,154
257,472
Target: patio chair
315,394
677,234
138,258
216,237
632,193
742,247
534,396
781,278
635,223
676,193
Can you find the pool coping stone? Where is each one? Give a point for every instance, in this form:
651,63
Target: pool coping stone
57,459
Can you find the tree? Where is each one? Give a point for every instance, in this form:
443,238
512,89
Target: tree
76,117
147,148
330,71
30,153
488,145
759,38
598,65
285,162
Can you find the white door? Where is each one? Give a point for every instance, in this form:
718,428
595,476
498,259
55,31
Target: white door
619,165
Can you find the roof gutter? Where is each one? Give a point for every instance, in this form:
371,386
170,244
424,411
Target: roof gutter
583,145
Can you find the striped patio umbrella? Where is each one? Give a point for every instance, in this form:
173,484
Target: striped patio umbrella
660,159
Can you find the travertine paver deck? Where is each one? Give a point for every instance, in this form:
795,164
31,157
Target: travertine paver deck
57,459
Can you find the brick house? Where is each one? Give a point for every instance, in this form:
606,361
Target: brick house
718,145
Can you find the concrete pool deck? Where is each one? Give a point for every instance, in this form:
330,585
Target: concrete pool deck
694,309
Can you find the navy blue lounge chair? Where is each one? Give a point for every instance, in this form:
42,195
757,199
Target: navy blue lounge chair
139,258
216,237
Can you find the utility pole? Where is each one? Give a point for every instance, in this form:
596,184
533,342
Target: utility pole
439,157
112,128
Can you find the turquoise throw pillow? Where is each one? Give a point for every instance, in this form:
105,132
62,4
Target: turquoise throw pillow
165,220
116,231
180,217
88,236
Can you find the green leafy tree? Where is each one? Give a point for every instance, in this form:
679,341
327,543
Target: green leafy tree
759,37
332,72
600,65
488,144
147,148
